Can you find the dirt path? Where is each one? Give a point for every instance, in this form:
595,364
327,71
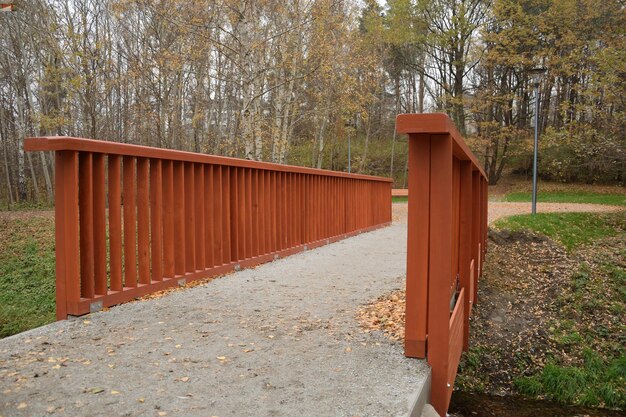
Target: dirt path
498,210
278,340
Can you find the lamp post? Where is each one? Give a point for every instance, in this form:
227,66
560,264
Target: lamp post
348,125
349,156
537,75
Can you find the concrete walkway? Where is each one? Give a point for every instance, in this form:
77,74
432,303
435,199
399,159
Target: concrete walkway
277,340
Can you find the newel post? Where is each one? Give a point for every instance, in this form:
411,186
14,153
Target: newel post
66,232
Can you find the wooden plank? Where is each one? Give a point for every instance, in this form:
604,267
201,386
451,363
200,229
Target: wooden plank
190,218
240,220
262,198
179,220
219,240
475,227
226,225
255,218
250,237
465,242
209,238
273,211
169,264
156,218
143,219
454,250
99,226
85,202
115,222
234,215
199,197
130,223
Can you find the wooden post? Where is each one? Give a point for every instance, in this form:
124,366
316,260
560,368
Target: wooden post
465,242
440,268
417,247
66,232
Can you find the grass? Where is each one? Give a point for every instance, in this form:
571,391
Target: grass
589,329
399,199
27,275
569,197
597,382
570,229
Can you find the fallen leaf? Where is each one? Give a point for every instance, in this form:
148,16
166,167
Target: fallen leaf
22,406
114,392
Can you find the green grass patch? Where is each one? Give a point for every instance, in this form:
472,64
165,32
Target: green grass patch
570,229
27,274
569,197
399,199
597,382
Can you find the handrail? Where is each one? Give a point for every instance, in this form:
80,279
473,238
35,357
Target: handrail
66,143
447,234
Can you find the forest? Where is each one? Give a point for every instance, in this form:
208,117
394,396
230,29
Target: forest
295,81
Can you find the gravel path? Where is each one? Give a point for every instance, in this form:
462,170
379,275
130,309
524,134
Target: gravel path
497,210
277,340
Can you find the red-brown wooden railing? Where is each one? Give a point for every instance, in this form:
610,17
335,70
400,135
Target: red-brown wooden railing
447,234
132,220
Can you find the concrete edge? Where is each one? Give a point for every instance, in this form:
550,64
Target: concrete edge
421,397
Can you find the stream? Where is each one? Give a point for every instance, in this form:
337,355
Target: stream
482,405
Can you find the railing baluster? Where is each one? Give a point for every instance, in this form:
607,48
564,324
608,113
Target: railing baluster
143,220
130,223
240,219
250,237
85,200
115,222
169,264
99,225
217,197
255,218
179,219
209,237
226,224
199,198
190,219
156,218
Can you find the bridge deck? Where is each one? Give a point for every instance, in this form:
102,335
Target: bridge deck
277,340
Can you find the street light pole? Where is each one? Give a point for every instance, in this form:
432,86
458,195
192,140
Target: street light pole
349,156
536,74
534,208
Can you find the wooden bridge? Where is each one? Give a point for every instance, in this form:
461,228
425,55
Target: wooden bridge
133,220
